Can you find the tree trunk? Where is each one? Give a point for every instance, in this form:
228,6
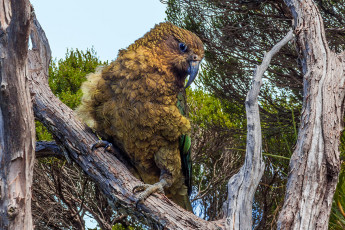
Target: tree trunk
315,164
17,128
242,186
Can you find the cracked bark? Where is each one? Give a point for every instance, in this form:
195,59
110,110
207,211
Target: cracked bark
17,128
242,186
315,164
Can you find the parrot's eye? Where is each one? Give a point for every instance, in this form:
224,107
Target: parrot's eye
183,47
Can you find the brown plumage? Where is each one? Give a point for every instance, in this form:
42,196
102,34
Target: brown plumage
133,101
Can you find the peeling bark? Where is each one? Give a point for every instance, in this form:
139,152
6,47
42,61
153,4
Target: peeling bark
17,128
315,163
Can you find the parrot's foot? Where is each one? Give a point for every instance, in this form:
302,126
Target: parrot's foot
107,146
147,189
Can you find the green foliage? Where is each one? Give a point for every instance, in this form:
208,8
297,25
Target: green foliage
42,134
65,79
337,218
121,227
67,75
207,110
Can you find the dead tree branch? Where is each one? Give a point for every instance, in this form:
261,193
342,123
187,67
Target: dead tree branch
242,186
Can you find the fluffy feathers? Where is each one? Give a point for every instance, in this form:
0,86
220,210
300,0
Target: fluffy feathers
133,102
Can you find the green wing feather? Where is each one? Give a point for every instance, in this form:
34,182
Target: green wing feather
185,144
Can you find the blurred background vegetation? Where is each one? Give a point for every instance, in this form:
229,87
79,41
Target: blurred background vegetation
235,34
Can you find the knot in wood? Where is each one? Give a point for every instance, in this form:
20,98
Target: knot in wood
12,212
3,86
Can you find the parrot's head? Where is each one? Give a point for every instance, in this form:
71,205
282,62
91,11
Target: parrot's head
182,52
174,49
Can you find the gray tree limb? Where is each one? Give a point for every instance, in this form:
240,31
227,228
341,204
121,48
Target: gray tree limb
242,186
17,127
315,163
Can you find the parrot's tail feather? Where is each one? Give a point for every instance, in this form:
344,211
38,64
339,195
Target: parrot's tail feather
90,88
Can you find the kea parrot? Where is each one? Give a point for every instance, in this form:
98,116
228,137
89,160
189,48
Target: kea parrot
138,103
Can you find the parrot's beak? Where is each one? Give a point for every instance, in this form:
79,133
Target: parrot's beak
192,71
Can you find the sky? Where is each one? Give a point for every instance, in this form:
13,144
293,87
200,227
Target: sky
106,25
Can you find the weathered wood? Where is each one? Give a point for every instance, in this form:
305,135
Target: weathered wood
315,164
17,128
242,186
48,149
105,169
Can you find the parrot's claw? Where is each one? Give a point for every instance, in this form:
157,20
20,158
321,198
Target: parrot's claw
147,189
107,146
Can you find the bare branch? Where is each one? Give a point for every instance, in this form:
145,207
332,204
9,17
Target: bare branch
242,186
